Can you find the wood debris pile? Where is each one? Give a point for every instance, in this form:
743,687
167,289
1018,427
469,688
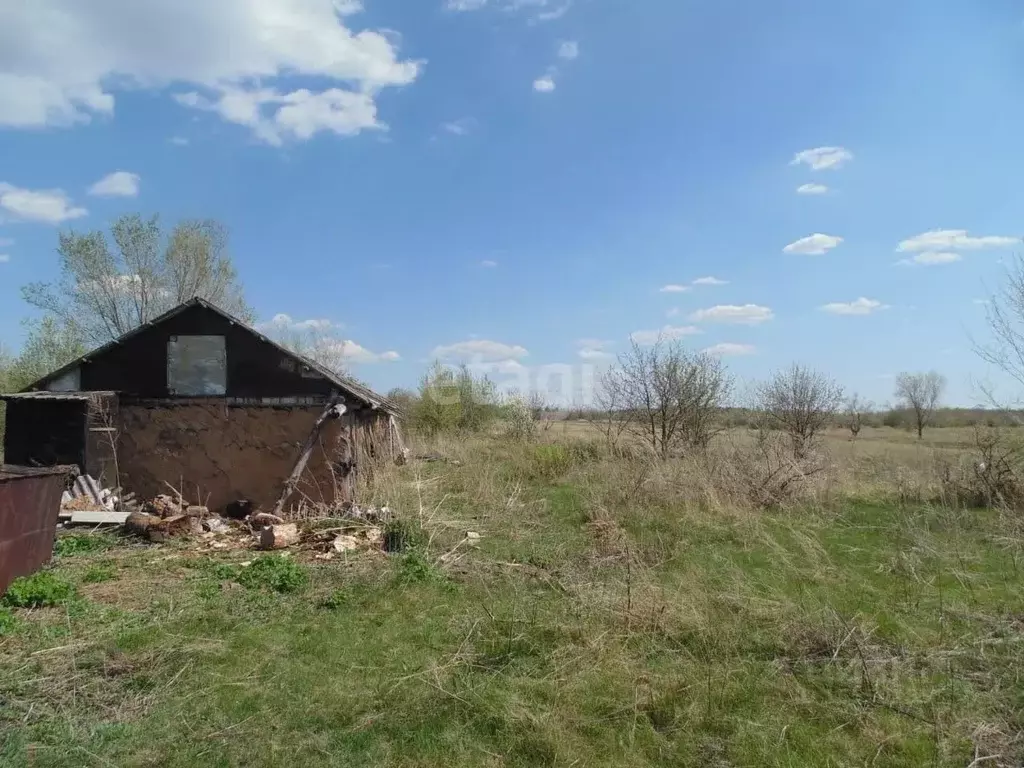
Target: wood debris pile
347,528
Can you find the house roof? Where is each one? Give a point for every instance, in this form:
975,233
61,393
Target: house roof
45,395
345,385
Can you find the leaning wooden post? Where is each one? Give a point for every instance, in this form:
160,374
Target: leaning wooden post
333,411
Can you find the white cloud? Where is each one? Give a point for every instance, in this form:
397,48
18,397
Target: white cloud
823,158
747,314
555,13
4,258
179,141
569,50
284,322
461,127
811,189
63,61
50,206
543,10
355,353
665,333
861,306
118,284
299,115
813,245
930,258
710,281
728,348
594,349
479,350
674,288
545,84
954,239
117,184
488,263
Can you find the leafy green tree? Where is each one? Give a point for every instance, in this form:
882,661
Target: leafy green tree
454,400
108,286
48,346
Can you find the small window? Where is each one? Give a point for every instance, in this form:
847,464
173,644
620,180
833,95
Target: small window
197,365
69,382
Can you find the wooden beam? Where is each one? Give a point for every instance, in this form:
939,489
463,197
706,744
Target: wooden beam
334,410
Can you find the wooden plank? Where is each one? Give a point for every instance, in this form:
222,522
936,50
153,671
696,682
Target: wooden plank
334,410
96,518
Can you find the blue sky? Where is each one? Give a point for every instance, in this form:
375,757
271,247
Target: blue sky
514,181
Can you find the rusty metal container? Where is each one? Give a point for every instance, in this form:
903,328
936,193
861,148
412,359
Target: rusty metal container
29,510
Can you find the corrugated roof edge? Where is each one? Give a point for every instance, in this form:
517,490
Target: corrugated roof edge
353,388
44,395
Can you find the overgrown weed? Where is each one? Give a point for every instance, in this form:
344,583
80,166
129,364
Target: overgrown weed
616,610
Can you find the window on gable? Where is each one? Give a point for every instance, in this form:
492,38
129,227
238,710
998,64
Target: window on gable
197,365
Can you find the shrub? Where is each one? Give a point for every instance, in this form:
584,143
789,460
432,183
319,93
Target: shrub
416,567
992,477
37,591
896,419
453,401
7,621
551,461
273,572
766,474
402,536
520,423
337,600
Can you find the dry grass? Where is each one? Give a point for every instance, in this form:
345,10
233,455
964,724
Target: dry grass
618,611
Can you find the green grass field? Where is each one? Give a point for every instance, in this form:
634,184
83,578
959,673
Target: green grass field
609,617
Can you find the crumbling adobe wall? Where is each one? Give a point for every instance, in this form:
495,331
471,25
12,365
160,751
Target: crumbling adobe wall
217,453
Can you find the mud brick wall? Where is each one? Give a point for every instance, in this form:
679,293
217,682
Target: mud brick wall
219,453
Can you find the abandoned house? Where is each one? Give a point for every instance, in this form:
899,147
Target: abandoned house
198,401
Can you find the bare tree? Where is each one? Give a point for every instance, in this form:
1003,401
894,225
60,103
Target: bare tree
853,415
800,402
319,343
1006,321
920,393
668,397
104,291
609,412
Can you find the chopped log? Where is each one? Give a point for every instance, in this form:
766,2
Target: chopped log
261,519
345,543
162,506
279,536
332,411
197,511
139,523
179,525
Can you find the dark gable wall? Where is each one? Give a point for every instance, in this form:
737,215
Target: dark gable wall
138,366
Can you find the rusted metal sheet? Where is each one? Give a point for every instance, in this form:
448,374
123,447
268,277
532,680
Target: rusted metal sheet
29,506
